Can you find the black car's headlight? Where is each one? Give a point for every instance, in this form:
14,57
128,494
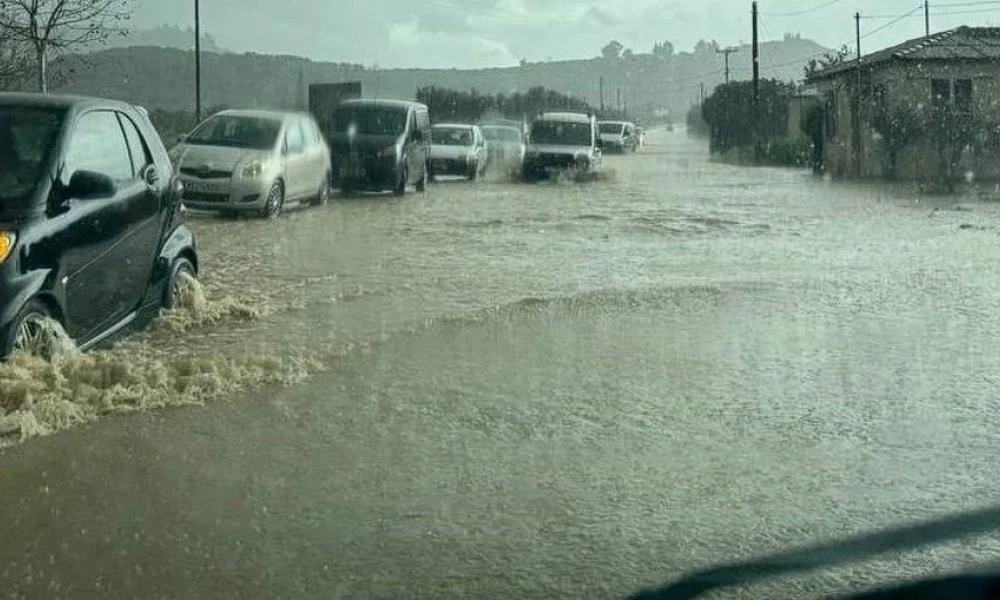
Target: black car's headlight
7,240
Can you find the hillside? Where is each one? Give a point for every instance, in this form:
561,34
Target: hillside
163,77
166,36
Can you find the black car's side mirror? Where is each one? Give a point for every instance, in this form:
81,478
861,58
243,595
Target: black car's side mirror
151,176
89,185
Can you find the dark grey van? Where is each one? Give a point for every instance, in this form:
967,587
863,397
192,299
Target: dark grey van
380,145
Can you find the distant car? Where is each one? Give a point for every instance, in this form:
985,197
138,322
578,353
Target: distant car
458,150
90,221
619,136
380,145
250,160
562,141
505,147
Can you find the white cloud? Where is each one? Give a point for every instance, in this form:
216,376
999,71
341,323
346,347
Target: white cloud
445,49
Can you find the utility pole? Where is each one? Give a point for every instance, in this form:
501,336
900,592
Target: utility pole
727,52
857,96
702,92
927,18
756,83
618,104
602,93
197,62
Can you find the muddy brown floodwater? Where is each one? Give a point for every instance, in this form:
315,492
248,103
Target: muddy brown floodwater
525,391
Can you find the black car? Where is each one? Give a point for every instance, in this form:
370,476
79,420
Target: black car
90,231
380,145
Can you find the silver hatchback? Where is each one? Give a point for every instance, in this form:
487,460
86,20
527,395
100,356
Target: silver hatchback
242,160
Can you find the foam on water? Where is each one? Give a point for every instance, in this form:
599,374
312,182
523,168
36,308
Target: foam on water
194,310
40,396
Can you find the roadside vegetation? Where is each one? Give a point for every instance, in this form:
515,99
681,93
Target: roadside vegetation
742,131
453,105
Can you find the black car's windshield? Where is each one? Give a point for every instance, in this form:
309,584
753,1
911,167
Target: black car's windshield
237,131
451,136
27,135
612,128
502,134
370,120
562,133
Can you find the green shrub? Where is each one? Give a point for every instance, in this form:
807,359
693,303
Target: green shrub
788,151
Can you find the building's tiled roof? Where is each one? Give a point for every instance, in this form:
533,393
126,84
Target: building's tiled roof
960,44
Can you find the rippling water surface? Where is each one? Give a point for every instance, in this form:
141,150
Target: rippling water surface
556,390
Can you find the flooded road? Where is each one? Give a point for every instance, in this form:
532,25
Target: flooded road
527,391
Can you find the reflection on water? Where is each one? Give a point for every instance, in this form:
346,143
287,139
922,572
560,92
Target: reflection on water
553,389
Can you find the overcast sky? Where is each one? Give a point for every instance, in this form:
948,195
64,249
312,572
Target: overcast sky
480,33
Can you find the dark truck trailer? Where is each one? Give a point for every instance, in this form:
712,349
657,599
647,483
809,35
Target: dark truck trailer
324,99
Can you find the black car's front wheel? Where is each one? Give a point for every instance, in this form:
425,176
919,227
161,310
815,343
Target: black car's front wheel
32,332
180,289
274,203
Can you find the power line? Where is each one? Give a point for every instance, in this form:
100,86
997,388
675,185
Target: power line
966,12
977,3
891,23
944,12
796,13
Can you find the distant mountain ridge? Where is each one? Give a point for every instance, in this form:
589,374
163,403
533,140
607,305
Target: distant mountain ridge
161,77
165,36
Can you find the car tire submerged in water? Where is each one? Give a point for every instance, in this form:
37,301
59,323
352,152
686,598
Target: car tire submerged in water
400,188
473,173
28,332
275,201
323,195
422,182
180,272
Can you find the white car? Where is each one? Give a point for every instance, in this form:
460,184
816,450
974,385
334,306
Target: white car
505,147
560,142
457,150
241,160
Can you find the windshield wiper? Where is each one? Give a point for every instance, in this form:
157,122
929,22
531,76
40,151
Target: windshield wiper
831,554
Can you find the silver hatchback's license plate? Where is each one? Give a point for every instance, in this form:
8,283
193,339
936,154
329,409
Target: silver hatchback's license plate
203,187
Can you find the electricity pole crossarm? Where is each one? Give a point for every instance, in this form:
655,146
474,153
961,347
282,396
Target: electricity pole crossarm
727,52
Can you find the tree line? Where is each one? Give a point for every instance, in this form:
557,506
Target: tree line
469,106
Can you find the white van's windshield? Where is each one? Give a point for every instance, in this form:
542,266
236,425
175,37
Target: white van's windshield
561,133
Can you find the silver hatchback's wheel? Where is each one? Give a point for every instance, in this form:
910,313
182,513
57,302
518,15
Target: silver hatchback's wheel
275,202
323,195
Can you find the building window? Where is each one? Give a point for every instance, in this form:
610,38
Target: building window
952,93
941,92
831,115
880,97
963,95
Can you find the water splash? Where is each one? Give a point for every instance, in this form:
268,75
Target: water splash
43,394
193,310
